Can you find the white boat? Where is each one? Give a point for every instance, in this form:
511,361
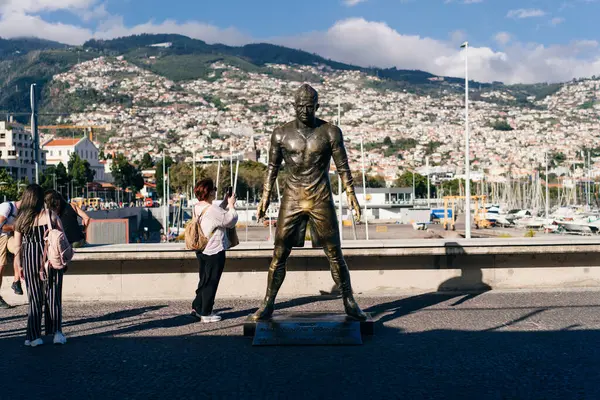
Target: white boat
530,223
576,228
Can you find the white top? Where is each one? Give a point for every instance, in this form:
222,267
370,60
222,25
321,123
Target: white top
8,212
218,220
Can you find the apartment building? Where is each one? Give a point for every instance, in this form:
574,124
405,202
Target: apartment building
60,150
16,152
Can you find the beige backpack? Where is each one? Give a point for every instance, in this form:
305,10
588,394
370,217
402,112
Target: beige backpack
194,237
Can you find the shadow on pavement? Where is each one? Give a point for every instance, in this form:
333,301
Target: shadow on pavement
463,288
109,318
279,306
437,364
117,315
6,319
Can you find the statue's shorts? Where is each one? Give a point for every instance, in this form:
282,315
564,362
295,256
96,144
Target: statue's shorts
295,215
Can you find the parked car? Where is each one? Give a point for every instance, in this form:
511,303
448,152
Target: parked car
270,221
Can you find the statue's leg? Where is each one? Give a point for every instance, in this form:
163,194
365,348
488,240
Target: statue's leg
289,221
341,276
274,281
325,222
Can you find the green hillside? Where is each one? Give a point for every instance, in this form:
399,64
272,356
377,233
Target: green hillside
248,57
27,61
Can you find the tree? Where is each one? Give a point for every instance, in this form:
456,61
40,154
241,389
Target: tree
146,162
558,158
406,181
55,174
182,176
502,125
456,186
375,181
251,178
126,175
79,170
432,147
387,141
8,186
159,173
372,181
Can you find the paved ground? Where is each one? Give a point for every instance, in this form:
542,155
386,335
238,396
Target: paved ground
492,346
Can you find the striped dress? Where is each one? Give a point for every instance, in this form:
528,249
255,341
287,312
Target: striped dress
43,296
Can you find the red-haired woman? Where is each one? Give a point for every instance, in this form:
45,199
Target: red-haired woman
214,221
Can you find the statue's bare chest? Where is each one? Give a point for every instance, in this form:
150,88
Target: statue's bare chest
303,147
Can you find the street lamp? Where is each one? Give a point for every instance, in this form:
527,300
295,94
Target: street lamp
34,132
428,187
165,201
465,45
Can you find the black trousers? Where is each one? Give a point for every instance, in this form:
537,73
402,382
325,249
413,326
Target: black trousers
210,271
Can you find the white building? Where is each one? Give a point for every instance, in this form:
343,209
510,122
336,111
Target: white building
107,165
60,150
16,152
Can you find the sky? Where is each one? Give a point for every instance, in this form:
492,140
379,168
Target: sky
512,41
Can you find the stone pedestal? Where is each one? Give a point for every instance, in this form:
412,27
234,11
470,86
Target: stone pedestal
308,328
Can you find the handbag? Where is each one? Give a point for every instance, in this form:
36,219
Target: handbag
232,235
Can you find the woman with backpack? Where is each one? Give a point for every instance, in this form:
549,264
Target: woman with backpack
214,221
43,286
68,214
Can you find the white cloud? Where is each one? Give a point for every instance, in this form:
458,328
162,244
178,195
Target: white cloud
368,43
352,3
19,25
197,30
525,13
35,6
458,37
585,43
502,38
95,13
356,41
472,1
556,21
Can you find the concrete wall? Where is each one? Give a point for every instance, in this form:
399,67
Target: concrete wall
133,214
108,231
166,271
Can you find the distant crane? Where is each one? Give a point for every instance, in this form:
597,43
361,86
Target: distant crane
89,128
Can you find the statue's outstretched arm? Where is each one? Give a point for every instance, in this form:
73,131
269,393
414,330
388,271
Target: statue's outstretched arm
341,158
275,159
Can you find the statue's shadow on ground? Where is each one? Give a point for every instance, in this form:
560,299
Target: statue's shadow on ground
463,288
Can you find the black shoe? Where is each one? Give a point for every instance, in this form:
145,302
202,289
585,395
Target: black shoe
4,305
194,314
17,288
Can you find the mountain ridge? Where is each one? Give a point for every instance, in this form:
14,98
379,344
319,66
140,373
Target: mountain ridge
24,61
257,53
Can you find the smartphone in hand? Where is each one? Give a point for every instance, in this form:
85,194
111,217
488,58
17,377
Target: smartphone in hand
229,191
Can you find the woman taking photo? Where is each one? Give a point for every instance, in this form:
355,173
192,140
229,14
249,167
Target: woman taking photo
68,214
214,221
43,287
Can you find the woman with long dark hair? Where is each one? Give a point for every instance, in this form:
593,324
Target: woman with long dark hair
214,221
68,214
43,286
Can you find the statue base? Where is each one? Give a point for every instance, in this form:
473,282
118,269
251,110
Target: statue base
308,328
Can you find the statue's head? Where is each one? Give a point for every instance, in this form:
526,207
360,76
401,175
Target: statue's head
306,103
